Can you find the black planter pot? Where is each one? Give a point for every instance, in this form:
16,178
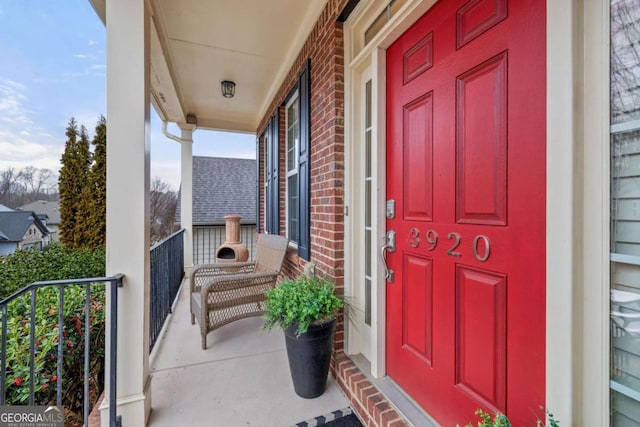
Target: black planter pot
309,357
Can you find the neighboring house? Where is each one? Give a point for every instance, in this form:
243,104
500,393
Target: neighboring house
22,230
221,186
489,149
52,212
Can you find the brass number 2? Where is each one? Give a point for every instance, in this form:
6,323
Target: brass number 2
452,250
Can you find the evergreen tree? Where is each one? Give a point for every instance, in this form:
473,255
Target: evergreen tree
93,212
74,172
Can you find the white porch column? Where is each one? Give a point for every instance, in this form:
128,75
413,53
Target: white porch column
128,201
186,192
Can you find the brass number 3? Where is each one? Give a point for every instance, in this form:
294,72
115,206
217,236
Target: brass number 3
414,240
452,250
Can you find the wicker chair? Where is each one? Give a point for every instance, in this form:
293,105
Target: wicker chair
224,292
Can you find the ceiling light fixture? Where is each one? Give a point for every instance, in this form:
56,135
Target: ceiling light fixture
228,88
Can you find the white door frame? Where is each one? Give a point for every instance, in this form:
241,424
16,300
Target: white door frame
577,200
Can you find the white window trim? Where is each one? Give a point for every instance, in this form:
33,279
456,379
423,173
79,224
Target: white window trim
296,152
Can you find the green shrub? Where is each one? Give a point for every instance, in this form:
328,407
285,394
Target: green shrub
56,262
25,267
303,301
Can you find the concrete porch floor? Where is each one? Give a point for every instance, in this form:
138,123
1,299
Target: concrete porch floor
241,379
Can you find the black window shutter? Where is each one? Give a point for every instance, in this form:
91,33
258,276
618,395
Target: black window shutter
304,165
275,183
268,183
257,185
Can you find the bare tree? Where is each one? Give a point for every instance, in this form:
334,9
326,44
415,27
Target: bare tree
9,186
18,188
163,202
38,181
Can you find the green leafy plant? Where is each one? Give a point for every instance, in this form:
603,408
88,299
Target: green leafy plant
501,420
550,422
27,266
303,300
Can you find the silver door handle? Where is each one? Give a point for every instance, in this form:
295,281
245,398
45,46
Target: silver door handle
389,246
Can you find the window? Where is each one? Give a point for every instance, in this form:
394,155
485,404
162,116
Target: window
625,212
382,19
368,228
292,144
297,164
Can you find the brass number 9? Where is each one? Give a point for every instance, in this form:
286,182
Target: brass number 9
431,237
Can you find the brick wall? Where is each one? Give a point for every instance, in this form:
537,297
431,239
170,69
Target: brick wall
325,48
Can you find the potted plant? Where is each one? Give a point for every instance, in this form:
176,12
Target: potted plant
306,309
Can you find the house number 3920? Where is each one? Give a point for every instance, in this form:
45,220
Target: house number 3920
431,238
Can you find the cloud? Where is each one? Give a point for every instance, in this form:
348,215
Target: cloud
19,152
83,56
12,103
97,70
92,70
22,141
92,42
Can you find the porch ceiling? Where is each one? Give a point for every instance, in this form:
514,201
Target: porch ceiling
195,44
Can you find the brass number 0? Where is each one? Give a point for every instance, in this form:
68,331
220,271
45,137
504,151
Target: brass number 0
487,248
452,250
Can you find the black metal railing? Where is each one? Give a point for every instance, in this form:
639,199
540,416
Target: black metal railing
207,238
167,271
114,282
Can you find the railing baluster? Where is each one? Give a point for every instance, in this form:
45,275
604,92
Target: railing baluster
113,352
60,347
3,362
87,318
32,349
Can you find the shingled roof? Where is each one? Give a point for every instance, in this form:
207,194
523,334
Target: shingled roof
15,224
222,186
44,207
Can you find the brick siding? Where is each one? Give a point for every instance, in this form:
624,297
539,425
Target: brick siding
373,409
325,48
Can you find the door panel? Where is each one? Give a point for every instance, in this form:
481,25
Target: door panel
466,167
481,323
418,179
481,138
417,307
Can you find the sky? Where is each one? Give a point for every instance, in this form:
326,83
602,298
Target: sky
53,68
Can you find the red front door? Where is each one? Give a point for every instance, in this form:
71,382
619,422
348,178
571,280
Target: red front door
466,168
